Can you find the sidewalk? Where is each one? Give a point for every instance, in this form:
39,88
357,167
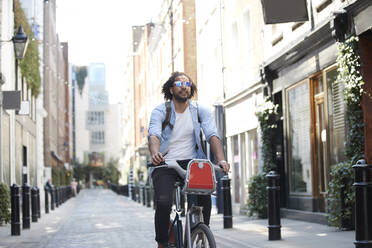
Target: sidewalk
254,234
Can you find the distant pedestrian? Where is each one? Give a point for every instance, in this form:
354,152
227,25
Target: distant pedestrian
48,185
74,187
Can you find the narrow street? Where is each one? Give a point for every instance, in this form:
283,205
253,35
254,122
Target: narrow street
95,217
102,218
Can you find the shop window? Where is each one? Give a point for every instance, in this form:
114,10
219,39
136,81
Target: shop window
251,157
299,145
236,167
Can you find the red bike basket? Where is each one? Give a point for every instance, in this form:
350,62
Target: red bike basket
200,177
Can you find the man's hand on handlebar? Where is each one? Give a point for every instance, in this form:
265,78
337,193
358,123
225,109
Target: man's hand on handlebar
224,165
157,158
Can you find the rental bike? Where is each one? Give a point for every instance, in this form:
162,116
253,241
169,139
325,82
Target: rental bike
198,179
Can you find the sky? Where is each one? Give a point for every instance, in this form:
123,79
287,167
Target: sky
97,32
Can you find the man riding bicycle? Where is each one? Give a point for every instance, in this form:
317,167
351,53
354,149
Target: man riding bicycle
174,134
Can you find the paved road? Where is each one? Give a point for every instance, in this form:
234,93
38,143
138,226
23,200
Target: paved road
105,219
96,218
100,218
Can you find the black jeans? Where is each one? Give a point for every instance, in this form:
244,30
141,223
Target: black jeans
163,180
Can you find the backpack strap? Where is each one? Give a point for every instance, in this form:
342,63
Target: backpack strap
201,132
168,112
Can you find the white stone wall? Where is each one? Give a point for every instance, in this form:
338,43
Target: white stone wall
82,134
8,71
209,52
114,132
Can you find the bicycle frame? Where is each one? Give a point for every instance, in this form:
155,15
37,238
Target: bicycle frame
194,215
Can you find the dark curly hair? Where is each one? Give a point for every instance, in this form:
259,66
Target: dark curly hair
169,84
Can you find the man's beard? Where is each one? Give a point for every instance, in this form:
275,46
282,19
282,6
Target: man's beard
180,98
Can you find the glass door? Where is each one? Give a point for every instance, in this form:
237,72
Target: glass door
319,128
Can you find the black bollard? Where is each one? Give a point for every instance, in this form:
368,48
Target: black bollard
227,209
26,220
273,210
15,211
46,192
363,204
148,196
34,204
52,198
38,202
219,195
138,194
133,190
143,195
56,196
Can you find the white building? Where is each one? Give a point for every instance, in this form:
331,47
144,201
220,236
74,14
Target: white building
114,132
81,133
7,121
35,14
228,74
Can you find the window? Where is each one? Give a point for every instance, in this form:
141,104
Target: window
299,146
236,167
96,118
97,138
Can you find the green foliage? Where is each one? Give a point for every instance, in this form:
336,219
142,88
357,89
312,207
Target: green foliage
341,175
349,72
4,204
61,176
29,65
79,172
108,173
257,202
267,116
341,195
80,74
111,172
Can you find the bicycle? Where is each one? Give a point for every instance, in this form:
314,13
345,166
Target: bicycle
199,179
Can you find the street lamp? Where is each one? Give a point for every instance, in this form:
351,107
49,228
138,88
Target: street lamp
20,41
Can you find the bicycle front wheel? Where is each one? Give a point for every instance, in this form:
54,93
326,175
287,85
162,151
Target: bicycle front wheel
202,237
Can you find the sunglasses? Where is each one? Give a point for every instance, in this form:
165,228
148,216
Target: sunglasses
182,83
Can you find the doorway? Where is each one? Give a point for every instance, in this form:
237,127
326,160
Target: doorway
319,143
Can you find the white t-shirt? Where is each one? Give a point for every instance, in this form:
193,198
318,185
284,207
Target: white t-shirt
182,142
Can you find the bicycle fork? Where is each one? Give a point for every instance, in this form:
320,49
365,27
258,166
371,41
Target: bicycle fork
193,217
178,218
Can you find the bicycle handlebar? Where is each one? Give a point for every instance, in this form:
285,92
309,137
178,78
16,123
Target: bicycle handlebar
172,164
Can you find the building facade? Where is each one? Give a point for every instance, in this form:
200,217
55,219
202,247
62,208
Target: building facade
239,61
301,71
96,114
56,77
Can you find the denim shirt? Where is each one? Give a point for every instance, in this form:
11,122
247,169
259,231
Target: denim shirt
207,124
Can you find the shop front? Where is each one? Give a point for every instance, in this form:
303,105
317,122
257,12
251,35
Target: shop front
302,80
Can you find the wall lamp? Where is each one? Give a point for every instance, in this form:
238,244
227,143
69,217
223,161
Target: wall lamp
20,41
